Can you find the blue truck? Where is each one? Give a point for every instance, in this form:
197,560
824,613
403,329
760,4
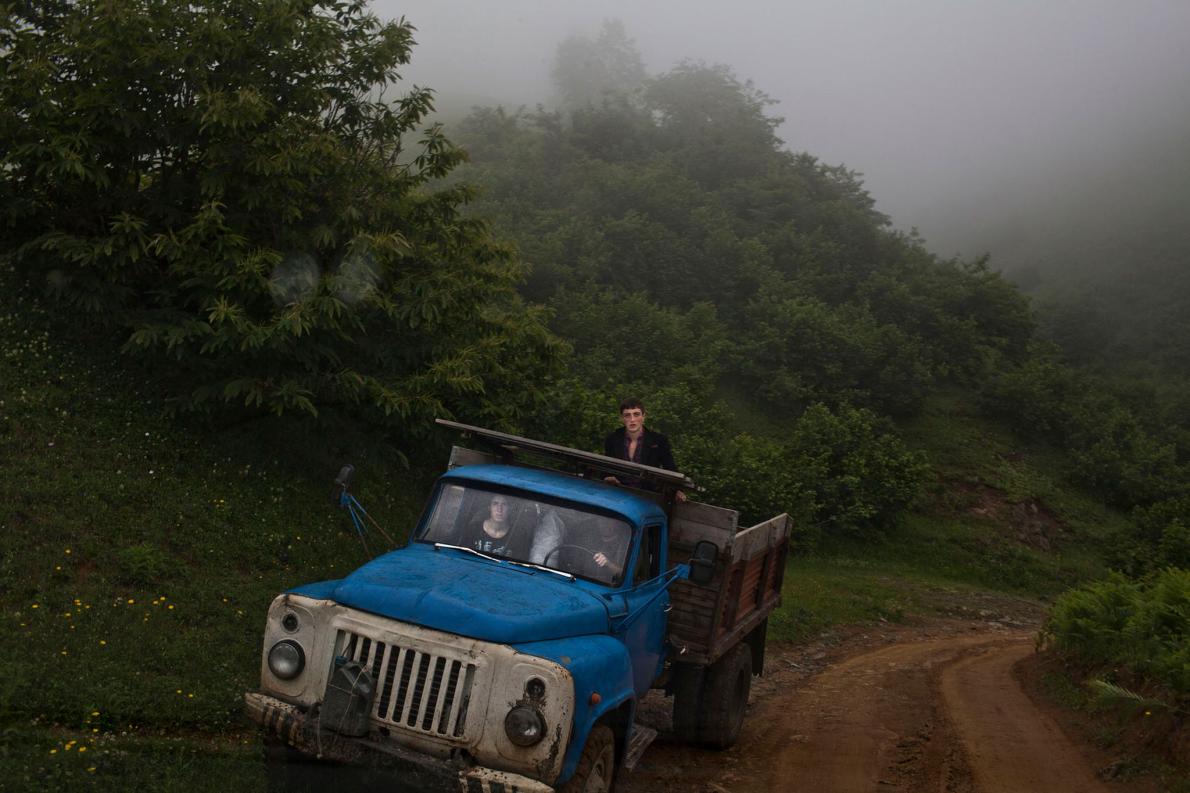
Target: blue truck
508,644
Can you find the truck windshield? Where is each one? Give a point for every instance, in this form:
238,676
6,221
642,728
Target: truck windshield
559,535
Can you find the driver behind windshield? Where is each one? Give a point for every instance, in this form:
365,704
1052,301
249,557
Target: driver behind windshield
604,547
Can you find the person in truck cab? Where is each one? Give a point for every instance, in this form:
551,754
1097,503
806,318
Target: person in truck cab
547,535
604,546
495,533
634,443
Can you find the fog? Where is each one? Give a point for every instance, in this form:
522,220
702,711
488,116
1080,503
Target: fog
1034,130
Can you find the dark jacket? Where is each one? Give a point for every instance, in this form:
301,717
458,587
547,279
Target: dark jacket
654,450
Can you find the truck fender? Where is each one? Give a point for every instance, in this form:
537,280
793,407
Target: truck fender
602,673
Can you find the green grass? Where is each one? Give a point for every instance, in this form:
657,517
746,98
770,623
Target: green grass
44,759
826,591
138,555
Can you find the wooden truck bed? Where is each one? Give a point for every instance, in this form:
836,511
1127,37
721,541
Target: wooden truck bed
706,621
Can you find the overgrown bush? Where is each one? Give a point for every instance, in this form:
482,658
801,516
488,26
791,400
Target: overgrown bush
795,352
1142,626
838,473
1113,451
1160,537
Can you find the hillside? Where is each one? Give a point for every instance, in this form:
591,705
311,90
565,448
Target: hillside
192,346
140,552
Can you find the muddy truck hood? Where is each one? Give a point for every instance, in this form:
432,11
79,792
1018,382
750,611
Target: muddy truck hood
451,591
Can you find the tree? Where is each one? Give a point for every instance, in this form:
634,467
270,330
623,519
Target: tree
604,70
714,125
226,182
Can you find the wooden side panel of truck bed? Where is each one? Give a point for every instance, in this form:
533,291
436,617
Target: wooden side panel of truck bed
706,621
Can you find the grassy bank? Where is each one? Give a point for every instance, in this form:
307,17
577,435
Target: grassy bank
138,555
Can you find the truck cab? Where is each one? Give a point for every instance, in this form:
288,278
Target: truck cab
508,643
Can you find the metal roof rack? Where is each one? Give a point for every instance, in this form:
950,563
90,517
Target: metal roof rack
508,446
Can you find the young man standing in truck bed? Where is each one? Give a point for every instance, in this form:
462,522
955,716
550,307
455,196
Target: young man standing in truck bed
636,444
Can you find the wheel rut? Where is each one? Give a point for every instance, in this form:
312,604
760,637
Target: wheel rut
920,712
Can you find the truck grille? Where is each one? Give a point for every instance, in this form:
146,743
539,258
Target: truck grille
415,690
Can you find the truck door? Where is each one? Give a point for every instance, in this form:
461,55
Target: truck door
644,635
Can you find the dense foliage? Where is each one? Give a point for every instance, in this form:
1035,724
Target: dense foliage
677,240
1143,627
226,184
1135,465
682,249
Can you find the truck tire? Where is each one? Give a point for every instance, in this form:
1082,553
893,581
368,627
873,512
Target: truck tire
687,705
724,698
596,766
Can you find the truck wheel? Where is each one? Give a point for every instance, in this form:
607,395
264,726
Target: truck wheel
687,706
725,696
597,765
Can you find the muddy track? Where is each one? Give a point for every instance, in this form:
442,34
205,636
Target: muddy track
910,710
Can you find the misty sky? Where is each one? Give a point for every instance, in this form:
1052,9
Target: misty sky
970,120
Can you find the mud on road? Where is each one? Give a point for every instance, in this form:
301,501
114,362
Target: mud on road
936,708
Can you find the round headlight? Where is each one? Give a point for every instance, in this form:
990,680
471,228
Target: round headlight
286,659
524,726
290,622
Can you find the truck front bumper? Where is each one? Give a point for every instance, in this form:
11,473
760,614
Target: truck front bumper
292,726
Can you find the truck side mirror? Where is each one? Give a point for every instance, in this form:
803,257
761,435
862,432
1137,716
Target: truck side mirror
702,563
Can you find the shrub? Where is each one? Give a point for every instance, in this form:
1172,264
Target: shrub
1089,621
840,472
1141,626
797,352
143,563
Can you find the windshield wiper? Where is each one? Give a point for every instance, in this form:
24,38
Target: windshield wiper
543,568
498,560
481,554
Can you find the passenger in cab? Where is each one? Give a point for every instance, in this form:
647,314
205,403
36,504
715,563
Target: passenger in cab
494,533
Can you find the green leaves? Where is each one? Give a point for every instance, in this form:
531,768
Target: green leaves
220,181
1143,625
841,472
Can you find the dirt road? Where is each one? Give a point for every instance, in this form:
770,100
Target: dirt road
936,710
